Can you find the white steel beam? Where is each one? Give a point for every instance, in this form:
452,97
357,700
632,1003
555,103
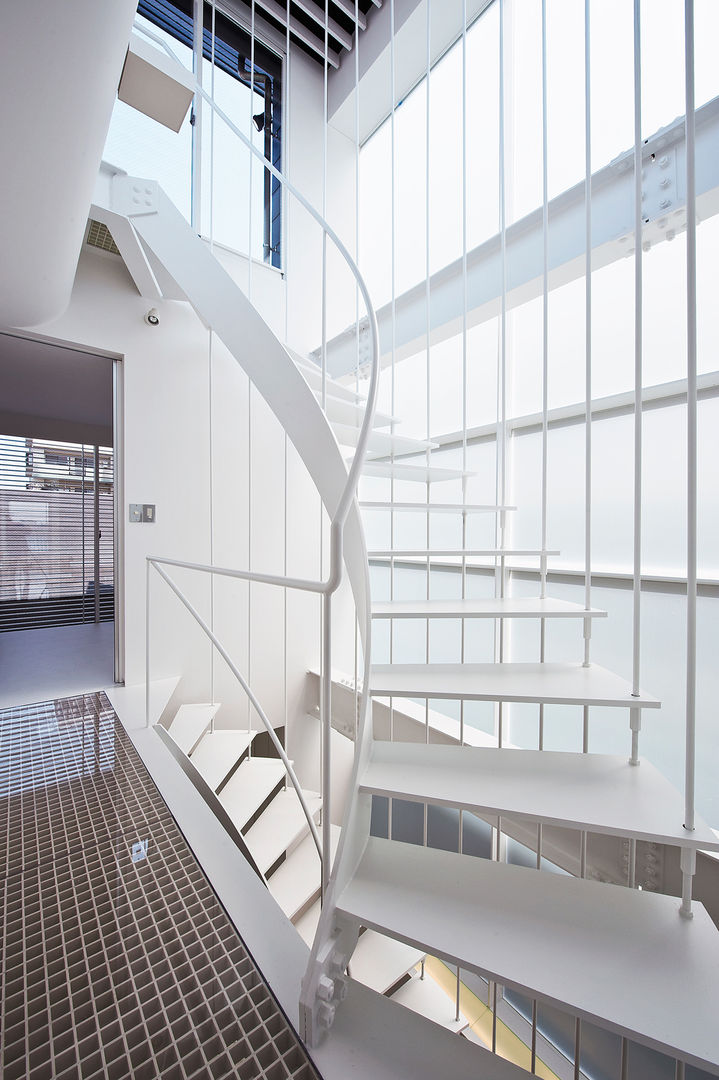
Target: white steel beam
664,159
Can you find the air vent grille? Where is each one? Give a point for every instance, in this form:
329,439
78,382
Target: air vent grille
99,236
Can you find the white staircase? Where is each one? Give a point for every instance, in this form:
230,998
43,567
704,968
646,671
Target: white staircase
605,953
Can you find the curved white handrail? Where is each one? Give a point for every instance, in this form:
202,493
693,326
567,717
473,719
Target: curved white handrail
339,516
353,476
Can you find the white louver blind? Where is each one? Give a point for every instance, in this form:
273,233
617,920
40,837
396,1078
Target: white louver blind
56,533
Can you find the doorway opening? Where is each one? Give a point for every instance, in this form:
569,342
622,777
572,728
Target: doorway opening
58,502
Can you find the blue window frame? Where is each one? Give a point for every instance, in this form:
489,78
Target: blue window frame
232,54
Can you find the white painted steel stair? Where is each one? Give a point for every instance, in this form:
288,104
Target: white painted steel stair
251,785
217,754
600,951
597,792
190,724
280,828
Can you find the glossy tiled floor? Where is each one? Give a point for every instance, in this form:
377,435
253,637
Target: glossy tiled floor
117,958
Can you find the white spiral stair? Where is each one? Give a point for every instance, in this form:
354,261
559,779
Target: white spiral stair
605,953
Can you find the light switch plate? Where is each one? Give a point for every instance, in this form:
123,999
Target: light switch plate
148,512
135,511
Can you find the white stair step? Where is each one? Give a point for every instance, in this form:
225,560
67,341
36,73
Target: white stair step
341,411
280,827
557,684
425,997
306,925
313,377
382,442
189,725
217,753
598,792
379,962
458,553
421,473
246,791
606,953
501,608
436,508
299,877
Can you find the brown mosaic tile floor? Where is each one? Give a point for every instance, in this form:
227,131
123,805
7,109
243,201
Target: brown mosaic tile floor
117,958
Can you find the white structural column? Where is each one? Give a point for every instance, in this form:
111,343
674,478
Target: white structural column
689,860
635,715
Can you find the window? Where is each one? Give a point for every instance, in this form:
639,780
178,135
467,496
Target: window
253,101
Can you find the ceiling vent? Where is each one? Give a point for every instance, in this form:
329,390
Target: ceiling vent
99,236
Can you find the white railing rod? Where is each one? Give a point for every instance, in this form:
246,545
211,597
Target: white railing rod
635,714
501,443
252,94
427,305
587,331
545,358
691,419
255,703
302,584
464,363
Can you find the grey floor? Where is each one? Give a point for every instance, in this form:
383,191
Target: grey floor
41,665
118,960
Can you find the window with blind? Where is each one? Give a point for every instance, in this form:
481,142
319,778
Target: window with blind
56,533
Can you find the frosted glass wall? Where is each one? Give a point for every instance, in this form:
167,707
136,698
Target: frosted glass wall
431,394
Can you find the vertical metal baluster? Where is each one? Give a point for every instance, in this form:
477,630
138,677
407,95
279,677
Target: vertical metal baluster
96,529
690,761
635,714
587,357
545,351
533,1060
577,1048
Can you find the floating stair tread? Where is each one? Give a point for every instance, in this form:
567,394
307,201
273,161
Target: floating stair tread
494,553
246,791
604,952
425,997
421,473
436,508
299,877
280,827
341,411
217,753
501,608
383,442
379,962
312,375
558,684
598,792
189,725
